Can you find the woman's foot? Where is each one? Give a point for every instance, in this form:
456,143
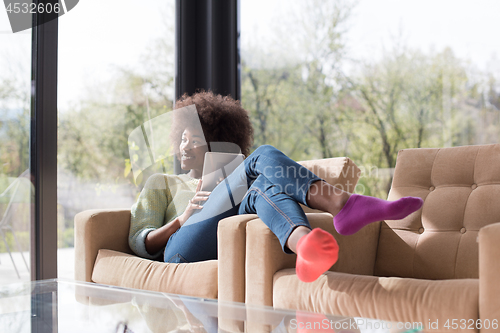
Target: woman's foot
361,210
316,253
352,211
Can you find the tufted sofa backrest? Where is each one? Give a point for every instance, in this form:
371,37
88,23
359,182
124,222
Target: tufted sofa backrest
461,191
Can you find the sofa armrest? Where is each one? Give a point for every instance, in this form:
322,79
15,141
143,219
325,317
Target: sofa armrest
489,271
95,230
231,238
264,256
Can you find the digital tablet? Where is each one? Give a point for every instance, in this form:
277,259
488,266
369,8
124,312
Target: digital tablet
218,166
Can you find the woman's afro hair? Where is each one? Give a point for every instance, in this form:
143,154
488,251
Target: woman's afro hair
222,119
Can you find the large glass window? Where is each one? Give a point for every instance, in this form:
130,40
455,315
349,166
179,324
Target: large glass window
366,78
16,188
116,70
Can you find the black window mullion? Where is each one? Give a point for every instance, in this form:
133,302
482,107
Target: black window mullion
43,147
207,47
225,48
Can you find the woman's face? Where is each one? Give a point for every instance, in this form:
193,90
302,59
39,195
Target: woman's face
192,151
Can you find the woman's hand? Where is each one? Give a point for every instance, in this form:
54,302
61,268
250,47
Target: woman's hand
194,204
157,239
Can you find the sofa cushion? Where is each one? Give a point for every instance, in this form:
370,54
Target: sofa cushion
119,269
402,300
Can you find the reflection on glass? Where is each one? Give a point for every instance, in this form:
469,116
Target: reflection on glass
84,307
366,78
16,188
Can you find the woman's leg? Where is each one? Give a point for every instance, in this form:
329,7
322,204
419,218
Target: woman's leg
280,212
352,212
356,211
316,251
284,174
290,177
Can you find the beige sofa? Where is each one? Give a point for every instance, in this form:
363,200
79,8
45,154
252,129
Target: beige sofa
438,266
102,253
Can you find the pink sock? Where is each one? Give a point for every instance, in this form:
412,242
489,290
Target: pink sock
361,210
316,253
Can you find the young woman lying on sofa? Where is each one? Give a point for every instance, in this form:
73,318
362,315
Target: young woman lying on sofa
174,217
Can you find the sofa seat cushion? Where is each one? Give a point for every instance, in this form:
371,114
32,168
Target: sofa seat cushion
124,270
393,299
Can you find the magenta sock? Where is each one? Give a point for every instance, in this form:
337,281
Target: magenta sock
361,210
316,253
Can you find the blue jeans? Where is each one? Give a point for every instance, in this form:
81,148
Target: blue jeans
267,183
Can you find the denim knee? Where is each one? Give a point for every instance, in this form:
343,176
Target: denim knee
265,148
280,212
